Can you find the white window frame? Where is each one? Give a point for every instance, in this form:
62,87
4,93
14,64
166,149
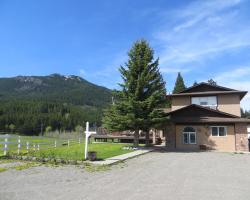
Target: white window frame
189,140
218,135
213,106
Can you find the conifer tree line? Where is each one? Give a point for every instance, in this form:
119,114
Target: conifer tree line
33,117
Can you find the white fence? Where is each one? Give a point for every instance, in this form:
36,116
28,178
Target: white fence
19,144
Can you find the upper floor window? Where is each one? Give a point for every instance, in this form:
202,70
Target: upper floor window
210,101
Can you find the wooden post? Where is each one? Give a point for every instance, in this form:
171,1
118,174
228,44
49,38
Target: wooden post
28,146
19,145
5,146
38,147
79,140
55,143
68,143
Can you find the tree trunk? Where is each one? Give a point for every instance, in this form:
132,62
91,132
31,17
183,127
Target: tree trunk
136,138
147,143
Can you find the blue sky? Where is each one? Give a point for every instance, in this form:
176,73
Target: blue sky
201,39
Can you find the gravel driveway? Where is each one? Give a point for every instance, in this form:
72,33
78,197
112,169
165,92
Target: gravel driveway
156,175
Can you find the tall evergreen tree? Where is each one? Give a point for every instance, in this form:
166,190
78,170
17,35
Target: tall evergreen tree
179,84
138,104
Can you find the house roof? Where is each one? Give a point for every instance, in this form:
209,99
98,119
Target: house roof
194,110
211,120
204,89
198,114
207,87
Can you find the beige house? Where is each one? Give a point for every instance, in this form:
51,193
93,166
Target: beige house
207,117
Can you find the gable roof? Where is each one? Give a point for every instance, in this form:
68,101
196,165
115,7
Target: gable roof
198,114
200,111
204,89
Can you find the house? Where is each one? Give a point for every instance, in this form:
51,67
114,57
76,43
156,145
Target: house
207,116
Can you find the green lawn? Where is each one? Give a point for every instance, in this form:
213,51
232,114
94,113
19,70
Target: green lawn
74,152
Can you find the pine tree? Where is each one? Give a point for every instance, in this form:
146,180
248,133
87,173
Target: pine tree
179,84
137,106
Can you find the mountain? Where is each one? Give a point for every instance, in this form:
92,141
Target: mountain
31,104
66,89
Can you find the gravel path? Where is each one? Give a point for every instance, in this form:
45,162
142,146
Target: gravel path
177,176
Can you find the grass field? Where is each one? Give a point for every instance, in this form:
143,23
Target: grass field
74,151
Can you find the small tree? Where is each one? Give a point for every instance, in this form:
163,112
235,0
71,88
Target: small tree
6,127
79,129
179,84
48,129
195,83
12,127
138,104
211,82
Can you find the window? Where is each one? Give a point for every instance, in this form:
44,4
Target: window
189,135
192,138
205,101
185,138
219,131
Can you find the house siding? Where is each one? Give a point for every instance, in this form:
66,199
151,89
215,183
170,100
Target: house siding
203,136
180,102
229,103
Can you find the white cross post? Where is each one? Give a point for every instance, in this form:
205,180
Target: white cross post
87,135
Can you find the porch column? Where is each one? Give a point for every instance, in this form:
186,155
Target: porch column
154,135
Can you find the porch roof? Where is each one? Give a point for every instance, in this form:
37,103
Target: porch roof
199,114
210,120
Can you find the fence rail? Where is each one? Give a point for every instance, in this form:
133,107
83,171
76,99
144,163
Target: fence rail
19,144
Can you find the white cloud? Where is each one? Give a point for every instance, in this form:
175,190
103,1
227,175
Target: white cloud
108,75
201,31
197,11
237,79
238,73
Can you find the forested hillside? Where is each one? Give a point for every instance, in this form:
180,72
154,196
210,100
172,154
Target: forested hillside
29,103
